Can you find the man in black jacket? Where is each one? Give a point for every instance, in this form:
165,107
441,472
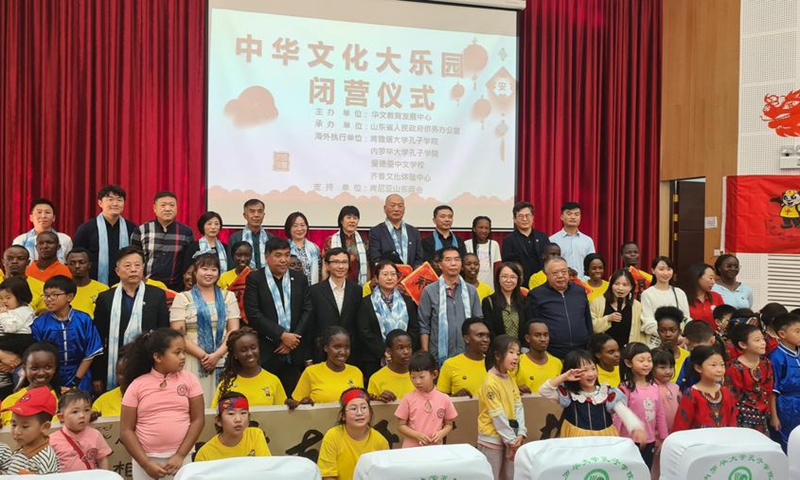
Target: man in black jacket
563,306
149,312
394,239
334,301
282,318
524,244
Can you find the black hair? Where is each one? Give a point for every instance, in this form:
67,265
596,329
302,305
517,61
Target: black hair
662,356
697,331
450,248
394,335
78,251
576,359
533,321
275,243
626,374
796,311
144,346
287,226
740,332
330,332
518,301
345,211
588,259
232,364
722,310
63,283
222,397
240,244
43,417
698,356
691,277
422,361
474,237
164,194
71,396
51,234
442,207
201,222
42,201
383,263
596,343
499,348
720,260
625,244
570,206
669,313
47,347
521,206
111,189
666,260
548,245
609,295
769,312
470,322
207,259
784,321
19,288
130,250
21,249
252,202
335,251
340,418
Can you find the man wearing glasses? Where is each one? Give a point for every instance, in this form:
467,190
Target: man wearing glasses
524,244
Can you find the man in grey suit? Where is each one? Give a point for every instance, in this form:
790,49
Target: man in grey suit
394,239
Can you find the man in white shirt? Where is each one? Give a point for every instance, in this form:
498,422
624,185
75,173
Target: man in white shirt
42,217
574,244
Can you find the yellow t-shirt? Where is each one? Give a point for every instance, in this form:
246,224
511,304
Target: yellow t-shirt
227,278
386,379
324,385
339,453
109,404
37,289
11,400
252,444
682,356
460,372
86,297
537,280
497,396
263,390
484,290
611,378
596,292
534,375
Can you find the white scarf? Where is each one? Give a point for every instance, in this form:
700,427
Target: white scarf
363,266
388,320
247,236
444,334
402,247
29,242
283,307
223,259
134,328
103,257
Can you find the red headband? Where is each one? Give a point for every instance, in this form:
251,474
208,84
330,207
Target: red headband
231,403
353,394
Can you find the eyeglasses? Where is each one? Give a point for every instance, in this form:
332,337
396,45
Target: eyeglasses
505,278
388,273
524,216
52,296
338,262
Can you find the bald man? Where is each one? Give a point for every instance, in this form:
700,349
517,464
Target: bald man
394,239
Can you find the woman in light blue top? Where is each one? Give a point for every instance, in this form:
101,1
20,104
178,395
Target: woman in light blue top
735,294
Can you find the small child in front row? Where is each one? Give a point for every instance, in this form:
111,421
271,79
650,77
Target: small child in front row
425,415
393,382
40,369
78,446
588,405
235,438
669,394
706,404
501,418
750,377
644,399
30,423
786,370
109,404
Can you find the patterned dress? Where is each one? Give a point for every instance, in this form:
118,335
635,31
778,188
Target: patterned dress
700,410
753,389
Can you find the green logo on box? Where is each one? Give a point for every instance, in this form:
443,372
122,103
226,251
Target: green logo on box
597,474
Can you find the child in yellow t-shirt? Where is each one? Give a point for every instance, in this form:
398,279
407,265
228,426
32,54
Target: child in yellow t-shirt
462,375
606,353
536,365
343,444
40,362
109,404
501,418
325,382
234,438
392,382
243,374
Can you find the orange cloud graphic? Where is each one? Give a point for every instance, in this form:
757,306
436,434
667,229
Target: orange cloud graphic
254,106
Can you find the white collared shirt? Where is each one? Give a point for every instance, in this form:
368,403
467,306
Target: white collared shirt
338,293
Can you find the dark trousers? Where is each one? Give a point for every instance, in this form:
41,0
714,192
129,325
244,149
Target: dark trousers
287,373
648,451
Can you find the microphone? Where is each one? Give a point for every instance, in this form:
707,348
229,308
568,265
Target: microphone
619,303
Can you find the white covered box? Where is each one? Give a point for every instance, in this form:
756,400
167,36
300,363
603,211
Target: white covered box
579,459
460,461
251,468
83,475
794,454
722,454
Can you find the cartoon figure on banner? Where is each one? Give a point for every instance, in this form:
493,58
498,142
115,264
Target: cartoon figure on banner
475,60
790,208
782,112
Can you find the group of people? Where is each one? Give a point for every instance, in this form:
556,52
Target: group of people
152,325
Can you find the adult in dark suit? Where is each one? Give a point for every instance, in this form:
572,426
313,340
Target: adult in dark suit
441,236
284,337
524,244
145,303
386,309
335,301
386,239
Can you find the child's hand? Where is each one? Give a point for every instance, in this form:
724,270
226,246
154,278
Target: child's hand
523,389
154,470
517,442
639,436
775,423
462,393
386,397
174,464
572,375
437,438
423,439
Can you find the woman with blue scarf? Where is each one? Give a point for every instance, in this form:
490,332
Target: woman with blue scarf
386,309
296,229
205,315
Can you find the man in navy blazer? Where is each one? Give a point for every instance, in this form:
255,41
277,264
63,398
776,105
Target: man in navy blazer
386,240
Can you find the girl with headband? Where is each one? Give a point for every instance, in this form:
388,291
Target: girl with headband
235,438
